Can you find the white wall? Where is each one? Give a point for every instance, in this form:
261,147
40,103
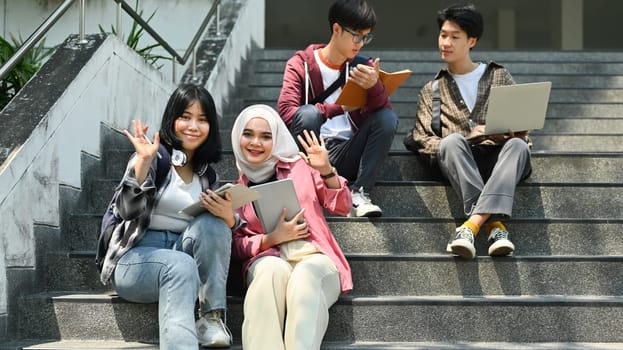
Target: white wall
115,86
248,32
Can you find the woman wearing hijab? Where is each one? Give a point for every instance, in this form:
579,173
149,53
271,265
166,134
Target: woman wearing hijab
298,267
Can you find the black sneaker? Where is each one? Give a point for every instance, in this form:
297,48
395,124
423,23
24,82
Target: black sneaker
500,245
463,243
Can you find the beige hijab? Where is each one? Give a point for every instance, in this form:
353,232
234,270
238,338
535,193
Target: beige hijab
284,147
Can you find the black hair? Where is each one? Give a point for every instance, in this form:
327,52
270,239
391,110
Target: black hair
354,14
185,95
466,16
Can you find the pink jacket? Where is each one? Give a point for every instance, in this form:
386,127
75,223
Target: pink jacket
292,94
313,195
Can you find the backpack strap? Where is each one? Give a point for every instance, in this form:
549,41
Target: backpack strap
163,163
341,80
436,121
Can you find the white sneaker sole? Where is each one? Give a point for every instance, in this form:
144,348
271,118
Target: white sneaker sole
463,248
216,344
502,247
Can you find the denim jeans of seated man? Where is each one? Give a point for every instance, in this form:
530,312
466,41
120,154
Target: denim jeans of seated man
360,158
173,270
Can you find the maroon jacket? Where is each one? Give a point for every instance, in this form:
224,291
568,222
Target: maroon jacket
292,94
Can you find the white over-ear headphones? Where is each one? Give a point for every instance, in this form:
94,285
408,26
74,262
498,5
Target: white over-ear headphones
178,158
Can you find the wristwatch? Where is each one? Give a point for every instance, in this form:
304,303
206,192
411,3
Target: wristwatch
329,175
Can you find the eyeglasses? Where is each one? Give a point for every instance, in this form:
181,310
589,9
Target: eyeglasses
357,37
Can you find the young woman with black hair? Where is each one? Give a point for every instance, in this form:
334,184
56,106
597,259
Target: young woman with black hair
166,256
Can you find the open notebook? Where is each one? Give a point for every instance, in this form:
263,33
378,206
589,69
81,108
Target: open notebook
274,196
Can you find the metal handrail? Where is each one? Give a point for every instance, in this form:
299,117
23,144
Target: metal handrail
62,8
34,38
193,43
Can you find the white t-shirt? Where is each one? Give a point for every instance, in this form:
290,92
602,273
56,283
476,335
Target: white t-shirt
339,126
468,85
175,197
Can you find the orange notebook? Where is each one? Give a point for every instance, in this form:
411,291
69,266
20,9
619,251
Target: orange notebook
354,95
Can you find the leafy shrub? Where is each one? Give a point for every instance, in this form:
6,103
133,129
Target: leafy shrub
24,70
135,36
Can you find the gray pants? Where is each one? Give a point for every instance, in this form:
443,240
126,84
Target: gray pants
485,177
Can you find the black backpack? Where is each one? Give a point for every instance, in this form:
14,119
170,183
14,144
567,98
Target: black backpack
111,217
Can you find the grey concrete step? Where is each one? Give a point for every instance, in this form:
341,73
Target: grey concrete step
497,55
410,94
410,235
548,167
120,345
417,199
114,345
610,143
417,80
433,66
553,126
364,319
424,199
428,237
554,110
419,273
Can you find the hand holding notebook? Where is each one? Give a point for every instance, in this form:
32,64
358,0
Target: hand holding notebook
240,195
274,196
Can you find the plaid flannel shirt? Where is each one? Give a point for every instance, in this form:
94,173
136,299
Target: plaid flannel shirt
455,116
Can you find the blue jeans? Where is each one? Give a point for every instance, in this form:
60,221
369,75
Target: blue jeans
173,269
361,157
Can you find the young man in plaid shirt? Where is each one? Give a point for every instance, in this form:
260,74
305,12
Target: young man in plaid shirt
484,171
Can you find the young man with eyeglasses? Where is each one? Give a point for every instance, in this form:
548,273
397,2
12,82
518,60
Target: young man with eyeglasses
358,138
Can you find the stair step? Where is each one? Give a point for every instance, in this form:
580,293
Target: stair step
429,235
122,345
434,273
364,319
531,56
433,66
407,93
418,275
436,199
548,167
559,81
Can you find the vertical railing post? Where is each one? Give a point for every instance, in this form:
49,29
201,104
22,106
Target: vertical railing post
81,35
119,13
218,19
173,61
194,65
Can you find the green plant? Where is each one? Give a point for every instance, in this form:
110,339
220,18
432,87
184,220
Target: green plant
134,37
24,70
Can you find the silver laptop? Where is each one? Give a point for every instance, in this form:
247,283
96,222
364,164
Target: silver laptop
274,196
518,107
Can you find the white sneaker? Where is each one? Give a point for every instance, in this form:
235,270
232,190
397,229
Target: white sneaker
463,243
362,205
212,332
500,245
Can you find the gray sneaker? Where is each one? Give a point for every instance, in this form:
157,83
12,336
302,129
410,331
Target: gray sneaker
463,243
500,245
212,332
362,205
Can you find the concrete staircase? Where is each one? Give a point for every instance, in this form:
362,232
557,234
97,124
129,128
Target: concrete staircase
563,288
